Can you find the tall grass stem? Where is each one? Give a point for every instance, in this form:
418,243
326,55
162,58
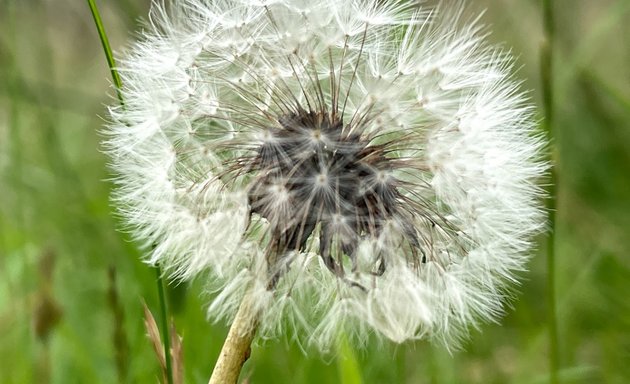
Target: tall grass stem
98,22
164,319
546,70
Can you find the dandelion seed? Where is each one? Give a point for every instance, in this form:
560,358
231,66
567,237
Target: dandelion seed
365,167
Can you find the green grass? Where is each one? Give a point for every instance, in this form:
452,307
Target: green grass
54,191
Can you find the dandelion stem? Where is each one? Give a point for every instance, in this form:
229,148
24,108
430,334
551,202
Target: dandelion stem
547,88
237,346
118,84
164,319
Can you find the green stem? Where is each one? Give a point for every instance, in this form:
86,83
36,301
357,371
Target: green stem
546,69
107,49
118,83
164,320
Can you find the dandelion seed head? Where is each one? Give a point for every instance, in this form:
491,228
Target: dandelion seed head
362,167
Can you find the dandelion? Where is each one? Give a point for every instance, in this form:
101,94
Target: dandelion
359,167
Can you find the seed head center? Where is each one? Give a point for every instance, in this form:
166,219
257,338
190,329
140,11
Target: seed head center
347,181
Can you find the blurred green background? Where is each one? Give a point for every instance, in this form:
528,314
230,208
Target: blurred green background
72,287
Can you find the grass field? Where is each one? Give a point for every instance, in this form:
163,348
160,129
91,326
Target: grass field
72,286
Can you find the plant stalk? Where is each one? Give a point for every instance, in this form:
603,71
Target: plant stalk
546,69
98,22
237,347
164,320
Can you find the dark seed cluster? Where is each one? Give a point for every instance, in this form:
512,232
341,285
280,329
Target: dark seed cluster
315,175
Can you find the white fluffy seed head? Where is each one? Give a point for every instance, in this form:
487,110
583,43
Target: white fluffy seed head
358,166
